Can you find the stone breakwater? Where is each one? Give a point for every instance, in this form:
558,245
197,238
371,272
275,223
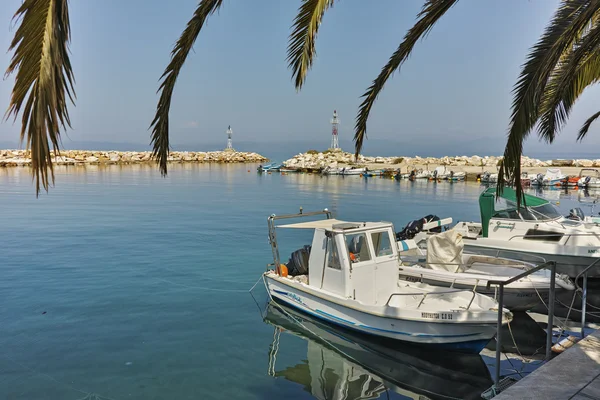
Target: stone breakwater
12,158
313,160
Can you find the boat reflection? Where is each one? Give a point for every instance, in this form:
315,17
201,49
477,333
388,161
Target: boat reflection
345,365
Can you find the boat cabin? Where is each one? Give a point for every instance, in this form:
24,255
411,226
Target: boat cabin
357,260
494,211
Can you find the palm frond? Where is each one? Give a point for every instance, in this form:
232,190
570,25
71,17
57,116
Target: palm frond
183,46
44,79
579,68
431,12
301,46
562,32
586,126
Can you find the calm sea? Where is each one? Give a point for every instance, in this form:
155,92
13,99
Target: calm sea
120,284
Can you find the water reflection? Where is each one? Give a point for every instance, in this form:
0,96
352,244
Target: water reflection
345,365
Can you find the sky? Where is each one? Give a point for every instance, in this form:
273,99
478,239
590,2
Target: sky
452,95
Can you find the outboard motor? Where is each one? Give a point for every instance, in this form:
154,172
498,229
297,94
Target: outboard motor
485,177
298,262
412,175
416,226
576,214
587,180
539,179
435,174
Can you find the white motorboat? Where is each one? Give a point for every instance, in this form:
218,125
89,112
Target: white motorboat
457,176
553,177
440,172
419,174
352,171
349,277
443,263
589,178
487,177
533,233
330,171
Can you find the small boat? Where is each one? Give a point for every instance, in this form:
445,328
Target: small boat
349,277
457,176
443,263
288,170
440,172
571,181
589,178
368,173
536,232
420,174
352,171
488,177
553,177
270,167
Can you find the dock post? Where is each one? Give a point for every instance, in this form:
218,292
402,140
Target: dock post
499,333
583,304
551,310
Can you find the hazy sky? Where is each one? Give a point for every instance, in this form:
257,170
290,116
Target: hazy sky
455,88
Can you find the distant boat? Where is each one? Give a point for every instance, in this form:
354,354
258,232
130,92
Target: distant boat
270,167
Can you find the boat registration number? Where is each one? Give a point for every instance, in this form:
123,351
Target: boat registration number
436,315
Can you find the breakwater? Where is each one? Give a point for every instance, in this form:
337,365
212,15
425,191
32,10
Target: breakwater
13,158
313,160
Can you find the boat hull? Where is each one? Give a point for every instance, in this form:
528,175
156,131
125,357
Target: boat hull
462,337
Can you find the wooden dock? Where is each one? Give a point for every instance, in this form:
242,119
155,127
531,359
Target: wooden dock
574,374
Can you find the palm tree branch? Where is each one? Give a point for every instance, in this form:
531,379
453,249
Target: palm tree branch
586,126
181,49
301,46
431,12
43,81
562,32
579,69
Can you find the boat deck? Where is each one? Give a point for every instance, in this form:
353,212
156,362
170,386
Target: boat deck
574,374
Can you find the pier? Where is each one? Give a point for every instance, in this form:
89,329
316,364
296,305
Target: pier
574,374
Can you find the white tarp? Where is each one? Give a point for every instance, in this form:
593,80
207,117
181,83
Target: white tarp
444,251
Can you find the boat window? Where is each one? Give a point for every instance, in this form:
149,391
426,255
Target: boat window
381,244
358,247
547,236
545,212
333,256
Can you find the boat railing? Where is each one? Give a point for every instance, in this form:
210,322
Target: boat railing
500,284
584,293
272,229
567,235
431,294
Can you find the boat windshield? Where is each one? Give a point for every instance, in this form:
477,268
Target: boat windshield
507,209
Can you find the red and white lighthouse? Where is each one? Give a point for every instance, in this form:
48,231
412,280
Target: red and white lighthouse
335,144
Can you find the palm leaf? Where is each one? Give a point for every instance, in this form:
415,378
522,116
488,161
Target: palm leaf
301,46
183,46
431,12
586,125
579,68
44,79
566,26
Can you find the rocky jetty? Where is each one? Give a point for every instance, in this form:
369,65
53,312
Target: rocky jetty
11,158
313,160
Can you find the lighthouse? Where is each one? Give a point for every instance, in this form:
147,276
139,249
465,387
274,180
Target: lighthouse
229,141
335,144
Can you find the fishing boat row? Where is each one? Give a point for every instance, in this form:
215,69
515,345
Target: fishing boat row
429,283
587,178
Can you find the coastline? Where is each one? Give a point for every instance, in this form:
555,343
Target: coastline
16,158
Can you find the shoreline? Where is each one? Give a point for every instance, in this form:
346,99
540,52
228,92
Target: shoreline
17,158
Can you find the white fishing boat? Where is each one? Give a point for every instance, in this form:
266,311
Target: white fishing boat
488,177
440,172
589,178
553,177
443,263
419,174
349,277
331,171
533,233
457,176
352,171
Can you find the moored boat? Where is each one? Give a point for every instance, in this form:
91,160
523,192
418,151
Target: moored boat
349,277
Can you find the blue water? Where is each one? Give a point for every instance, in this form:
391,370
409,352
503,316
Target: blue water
120,284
